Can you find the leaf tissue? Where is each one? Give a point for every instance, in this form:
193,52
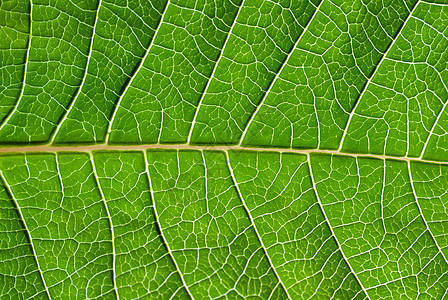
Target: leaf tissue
223,149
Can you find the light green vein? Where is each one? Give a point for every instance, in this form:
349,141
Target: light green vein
253,225
352,113
330,227
24,71
414,194
213,73
156,215
285,62
28,233
95,175
137,70
72,104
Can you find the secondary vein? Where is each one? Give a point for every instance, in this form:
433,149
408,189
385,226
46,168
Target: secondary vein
27,231
411,180
111,224
285,62
24,71
170,253
331,228
254,226
72,104
137,70
193,122
364,89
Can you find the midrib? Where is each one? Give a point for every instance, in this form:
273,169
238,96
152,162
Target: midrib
105,147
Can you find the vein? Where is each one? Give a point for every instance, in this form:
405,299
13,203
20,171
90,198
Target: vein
382,202
253,225
313,182
421,213
431,132
144,147
285,62
156,214
443,83
58,169
364,89
27,231
137,70
206,181
407,127
95,175
212,74
72,104
6,120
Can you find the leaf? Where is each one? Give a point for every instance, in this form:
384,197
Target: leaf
223,149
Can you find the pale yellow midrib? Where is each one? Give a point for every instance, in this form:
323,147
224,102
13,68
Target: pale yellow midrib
105,147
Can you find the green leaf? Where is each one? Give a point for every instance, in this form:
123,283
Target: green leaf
223,149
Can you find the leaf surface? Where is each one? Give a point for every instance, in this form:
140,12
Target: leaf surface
223,149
